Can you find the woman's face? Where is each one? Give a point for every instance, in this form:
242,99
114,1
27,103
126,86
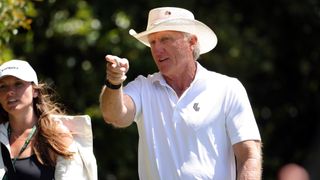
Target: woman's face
16,95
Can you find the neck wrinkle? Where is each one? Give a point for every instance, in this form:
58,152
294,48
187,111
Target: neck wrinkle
181,82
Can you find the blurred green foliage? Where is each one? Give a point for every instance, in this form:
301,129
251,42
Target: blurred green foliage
270,46
14,14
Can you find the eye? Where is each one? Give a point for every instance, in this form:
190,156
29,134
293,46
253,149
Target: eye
19,84
152,42
3,87
165,39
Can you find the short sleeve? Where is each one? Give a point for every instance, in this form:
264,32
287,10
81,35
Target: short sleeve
133,89
240,120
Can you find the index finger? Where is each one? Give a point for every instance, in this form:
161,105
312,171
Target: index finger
113,59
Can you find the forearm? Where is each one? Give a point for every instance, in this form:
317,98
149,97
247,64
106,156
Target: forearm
113,107
116,107
250,169
249,160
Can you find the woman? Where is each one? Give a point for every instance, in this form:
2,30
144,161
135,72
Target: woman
35,144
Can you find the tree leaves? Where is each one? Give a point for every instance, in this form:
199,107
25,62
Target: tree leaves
14,14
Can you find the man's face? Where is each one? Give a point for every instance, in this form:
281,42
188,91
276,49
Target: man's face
171,51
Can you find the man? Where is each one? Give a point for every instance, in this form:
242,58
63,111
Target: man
192,123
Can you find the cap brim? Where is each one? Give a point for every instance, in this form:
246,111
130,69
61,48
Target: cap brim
19,76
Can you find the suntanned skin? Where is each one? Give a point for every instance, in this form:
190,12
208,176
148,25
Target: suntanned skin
172,52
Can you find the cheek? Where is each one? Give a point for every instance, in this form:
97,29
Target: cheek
2,98
27,95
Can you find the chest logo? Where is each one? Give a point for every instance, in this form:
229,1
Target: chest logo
196,106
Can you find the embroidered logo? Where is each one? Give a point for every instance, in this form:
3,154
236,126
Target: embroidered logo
196,106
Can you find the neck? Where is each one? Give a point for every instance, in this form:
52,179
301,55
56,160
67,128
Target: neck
181,81
20,135
22,123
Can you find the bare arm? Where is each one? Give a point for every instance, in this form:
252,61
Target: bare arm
249,160
117,108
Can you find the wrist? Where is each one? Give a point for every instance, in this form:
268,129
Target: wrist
112,86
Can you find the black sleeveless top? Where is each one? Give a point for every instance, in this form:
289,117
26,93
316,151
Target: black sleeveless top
27,168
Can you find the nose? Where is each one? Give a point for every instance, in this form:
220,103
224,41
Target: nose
11,90
157,49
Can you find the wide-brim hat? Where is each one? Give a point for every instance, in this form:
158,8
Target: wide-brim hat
177,19
19,69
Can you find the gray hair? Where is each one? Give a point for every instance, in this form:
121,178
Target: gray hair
196,50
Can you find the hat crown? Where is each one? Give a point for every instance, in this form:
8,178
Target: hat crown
177,19
159,15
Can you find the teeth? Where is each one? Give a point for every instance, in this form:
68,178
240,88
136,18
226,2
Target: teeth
12,100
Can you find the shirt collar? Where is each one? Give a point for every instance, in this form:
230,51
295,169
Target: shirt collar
158,78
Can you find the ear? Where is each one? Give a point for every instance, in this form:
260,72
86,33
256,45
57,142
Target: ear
35,93
193,40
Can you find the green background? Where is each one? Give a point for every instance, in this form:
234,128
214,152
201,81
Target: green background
272,47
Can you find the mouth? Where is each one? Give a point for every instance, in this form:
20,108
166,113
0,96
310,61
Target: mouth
12,101
163,59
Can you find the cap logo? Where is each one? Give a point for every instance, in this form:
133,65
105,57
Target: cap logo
9,68
168,13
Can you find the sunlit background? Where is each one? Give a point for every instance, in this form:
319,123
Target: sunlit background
272,47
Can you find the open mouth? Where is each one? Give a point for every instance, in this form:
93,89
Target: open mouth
12,101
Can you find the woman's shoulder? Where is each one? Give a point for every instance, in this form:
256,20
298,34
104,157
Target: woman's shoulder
78,125
66,134
74,123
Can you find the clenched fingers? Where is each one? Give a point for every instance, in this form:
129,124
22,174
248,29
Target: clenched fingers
116,69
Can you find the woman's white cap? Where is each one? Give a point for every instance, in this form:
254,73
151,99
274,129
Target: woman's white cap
177,19
19,69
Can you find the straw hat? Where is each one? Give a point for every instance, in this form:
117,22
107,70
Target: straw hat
177,19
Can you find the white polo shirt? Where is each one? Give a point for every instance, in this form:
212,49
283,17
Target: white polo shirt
191,137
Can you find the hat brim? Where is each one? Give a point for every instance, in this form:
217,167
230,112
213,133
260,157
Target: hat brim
206,37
